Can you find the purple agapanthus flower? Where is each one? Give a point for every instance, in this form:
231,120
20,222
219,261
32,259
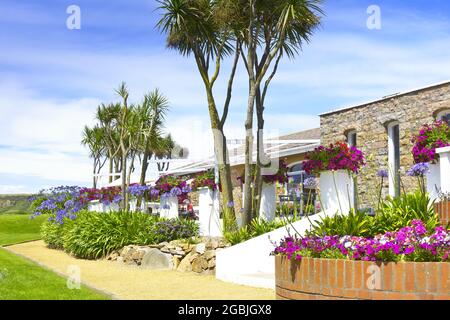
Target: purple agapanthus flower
310,183
419,170
382,173
175,192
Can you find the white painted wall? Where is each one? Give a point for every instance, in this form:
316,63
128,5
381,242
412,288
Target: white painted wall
434,180
169,207
444,159
209,213
336,191
250,263
268,202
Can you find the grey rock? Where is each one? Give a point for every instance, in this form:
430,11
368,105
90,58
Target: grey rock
157,260
200,248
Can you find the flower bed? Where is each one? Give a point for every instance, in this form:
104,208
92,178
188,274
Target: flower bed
322,279
409,264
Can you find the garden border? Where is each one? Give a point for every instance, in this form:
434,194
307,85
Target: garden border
318,279
443,211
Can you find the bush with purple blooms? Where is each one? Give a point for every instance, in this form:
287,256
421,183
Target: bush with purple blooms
335,157
59,202
66,201
170,186
411,243
430,138
94,235
136,190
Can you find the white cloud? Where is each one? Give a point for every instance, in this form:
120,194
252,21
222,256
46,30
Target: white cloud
12,189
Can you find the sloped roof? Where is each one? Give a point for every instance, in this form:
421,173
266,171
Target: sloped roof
295,143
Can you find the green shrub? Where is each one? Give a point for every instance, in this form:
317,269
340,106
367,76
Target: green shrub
356,223
239,236
396,213
257,228
52,234
94,235
168,230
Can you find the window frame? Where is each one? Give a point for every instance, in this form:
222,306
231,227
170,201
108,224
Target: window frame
393,161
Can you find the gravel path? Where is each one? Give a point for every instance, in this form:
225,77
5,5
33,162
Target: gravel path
127,282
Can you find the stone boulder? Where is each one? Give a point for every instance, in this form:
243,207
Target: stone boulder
199,264
157,260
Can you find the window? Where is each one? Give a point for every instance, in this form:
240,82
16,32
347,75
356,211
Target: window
297,176
351,138
394,158
444,116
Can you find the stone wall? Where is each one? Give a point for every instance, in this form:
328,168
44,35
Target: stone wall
177,255
332,279
370,121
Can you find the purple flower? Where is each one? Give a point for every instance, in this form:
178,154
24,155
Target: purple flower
382,173
175,192
419,170
310,183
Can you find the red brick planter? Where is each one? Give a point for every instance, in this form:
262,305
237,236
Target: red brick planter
443,211
325,279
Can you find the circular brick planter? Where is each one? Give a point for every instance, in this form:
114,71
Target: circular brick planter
443,211
323,279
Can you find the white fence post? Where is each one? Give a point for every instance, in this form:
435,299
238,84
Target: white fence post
336,191
209,213
444,160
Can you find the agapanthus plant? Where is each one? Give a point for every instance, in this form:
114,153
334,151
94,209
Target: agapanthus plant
170,186
136,190
411,243
430,138
335,157
419,170
59,202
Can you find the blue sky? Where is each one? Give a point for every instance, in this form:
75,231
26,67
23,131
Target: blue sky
52,78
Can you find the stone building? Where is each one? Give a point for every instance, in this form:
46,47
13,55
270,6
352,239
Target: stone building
383,130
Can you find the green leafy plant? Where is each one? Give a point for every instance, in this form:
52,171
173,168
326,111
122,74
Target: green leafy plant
395,213
95,235
52,233
256,228
239,236
356,223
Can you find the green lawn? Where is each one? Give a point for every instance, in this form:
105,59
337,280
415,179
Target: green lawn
16,228
21,279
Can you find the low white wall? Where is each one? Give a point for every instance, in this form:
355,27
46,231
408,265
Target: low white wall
268,202
444,154
434,180
209,213
336,191
169,207
250,263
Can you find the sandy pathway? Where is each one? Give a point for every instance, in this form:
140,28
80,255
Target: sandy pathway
127,282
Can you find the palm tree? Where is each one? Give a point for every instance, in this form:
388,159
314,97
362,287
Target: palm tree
196,28
107,116
153,111
94,140
269,30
